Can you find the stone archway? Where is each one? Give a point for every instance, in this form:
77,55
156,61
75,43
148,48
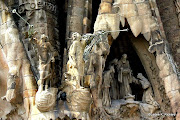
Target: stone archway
148,61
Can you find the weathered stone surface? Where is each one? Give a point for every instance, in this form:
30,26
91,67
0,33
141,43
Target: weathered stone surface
171,83
167,70
161,60
105,8
174,100
76,24
169,19
14,63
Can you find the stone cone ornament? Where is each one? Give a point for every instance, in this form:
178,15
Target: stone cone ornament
135,25
108,22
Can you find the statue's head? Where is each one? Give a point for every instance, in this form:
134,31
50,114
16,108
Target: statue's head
124,56
115,61
44,37
76,36
139,75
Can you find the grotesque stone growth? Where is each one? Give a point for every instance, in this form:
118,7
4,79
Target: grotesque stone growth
100,49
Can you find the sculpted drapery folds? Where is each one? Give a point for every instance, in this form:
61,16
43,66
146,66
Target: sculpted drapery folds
114,89
75,65
124,76
107,80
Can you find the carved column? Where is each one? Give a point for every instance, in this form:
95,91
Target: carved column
75,17
42,14
170,21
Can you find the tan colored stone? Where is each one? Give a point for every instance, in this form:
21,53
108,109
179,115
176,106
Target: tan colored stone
30,83
123,1
178,114
86,21
173,94
29,93
105,8
174,100
108,22
5,108
44,116
171,83
161,60
178,50
87,80
167,70
76,24
109,1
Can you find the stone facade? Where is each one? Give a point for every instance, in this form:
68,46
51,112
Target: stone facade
52,66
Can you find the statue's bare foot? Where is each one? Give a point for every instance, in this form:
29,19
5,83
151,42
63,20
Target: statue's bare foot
10,95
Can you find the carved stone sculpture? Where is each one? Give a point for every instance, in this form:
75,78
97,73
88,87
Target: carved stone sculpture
148,94
98,55
14,56
76,62
78,100
148,105
107,80
46,56
19,68
124,76
114,90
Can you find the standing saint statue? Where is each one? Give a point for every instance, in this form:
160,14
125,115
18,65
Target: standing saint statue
76,62
124,76
114,90
108,78
46,56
